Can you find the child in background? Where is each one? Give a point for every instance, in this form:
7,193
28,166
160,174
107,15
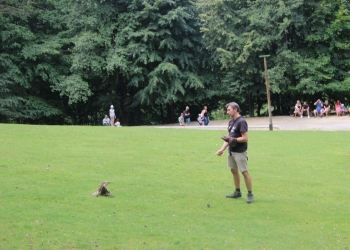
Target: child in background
117,123
342,108
199,119
181,119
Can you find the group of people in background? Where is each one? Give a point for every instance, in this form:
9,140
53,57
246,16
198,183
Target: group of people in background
322,109
185,117
109,121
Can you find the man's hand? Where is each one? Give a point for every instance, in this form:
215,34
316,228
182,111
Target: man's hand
232,141
219,152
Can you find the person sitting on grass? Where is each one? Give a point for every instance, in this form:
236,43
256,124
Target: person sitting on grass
305,108
318,110
297,109
326,108
117,123
106,121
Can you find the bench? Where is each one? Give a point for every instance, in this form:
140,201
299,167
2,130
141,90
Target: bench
333,112
311,112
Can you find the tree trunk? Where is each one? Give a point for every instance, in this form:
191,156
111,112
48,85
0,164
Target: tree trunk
171,112
161,114
278,109
258,104
251,105
122,90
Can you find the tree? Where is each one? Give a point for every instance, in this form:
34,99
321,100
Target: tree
303,60
28,57
147,55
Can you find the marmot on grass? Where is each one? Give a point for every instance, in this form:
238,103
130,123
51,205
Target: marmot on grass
102,190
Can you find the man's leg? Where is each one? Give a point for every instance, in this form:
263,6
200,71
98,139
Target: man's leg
248,180
236,178
248,183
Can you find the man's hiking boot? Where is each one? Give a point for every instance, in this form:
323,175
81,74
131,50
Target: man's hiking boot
236,194
250,198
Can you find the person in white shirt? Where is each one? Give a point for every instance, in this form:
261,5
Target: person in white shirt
112,115
106,121
117,123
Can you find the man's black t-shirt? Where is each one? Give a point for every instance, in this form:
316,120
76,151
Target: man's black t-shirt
235,129
187,113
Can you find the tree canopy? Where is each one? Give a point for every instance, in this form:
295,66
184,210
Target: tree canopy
66,62
308,44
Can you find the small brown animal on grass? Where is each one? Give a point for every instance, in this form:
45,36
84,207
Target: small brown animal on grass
102,190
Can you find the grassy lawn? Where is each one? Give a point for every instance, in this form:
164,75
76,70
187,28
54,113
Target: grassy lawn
162,181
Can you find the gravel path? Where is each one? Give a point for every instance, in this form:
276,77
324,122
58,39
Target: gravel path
331,123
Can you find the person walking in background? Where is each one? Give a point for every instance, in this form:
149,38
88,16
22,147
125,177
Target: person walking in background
187,116
326,108
318,110
205,116
237,144
338,108
112,115
106,121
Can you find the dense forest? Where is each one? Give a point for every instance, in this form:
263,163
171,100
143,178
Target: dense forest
67,61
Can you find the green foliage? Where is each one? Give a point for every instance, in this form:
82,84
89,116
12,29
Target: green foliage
31,60
9,104
142,53
305,40
75,88
166,48
158,56
219,113
37,108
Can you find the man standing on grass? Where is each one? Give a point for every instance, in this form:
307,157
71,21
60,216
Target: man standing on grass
237,142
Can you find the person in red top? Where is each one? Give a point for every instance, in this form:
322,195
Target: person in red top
338,108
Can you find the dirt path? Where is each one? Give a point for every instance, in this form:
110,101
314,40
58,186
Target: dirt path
331,123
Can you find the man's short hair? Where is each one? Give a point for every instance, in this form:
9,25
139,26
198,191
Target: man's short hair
233,105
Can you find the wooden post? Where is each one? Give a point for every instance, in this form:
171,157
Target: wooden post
268,91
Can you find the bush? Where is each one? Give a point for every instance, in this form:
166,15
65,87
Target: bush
219,113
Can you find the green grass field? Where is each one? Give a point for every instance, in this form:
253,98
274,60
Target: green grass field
162,181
